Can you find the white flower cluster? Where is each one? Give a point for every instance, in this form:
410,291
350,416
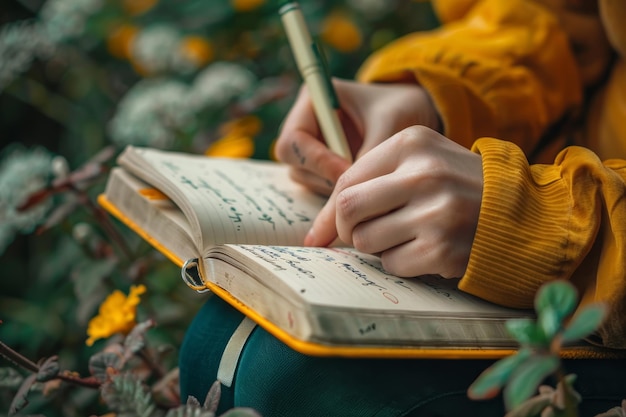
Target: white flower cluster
156,49
152,113
155,111
66,19
219,83
22,172
20,43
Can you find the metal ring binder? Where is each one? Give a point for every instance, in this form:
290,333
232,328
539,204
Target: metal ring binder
191,275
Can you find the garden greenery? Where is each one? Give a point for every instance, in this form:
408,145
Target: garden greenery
79,80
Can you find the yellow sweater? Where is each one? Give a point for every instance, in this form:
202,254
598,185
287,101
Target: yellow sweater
511,70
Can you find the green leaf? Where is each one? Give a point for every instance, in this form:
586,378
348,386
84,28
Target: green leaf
526,332
526,379
560,295
20,401
491,380
49,369
212,398
136,339
566,398
128,396
549,322
532,407
585,322
193,401
101,362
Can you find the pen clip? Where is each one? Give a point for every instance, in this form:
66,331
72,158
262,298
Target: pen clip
321,58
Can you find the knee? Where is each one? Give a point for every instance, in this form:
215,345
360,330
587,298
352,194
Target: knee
202,348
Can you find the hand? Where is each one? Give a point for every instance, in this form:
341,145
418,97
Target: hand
414,200
370,113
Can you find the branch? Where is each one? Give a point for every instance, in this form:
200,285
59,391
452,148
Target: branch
18,359
25,363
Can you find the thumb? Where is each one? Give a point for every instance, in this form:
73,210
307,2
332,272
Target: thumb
324,229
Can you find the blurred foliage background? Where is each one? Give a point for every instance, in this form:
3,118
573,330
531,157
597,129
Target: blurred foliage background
81,76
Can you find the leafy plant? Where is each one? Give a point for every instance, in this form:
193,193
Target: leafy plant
120,372
130,377
520,375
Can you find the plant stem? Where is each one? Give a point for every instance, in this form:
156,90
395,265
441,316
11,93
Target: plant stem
89,382
570,407
31,366
17,358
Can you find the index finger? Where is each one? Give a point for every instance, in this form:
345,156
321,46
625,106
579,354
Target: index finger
380,161
299,120
324,229
300,143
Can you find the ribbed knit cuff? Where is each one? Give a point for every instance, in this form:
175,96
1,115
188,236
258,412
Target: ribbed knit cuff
522,233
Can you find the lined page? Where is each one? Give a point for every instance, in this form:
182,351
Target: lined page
232,200
343,277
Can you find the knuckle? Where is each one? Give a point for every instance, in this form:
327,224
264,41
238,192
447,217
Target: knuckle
392,266
344,181
317,159
347,203
362,241
415,137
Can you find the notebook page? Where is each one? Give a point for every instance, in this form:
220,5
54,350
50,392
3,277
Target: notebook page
343,277
233,200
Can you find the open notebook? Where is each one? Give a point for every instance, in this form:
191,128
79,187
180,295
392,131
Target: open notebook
237,225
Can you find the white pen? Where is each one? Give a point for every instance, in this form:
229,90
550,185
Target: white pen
319,85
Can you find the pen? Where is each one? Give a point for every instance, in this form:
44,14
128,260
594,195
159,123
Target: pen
309,61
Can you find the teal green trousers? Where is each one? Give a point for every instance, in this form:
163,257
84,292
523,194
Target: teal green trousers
279,382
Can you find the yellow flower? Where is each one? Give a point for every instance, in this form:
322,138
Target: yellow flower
196,50
116,315
237,139
137,7
120,40
232,147
246,5
341,33
248,125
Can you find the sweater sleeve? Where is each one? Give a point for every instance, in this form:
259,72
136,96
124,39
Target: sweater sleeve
502,68
543,222
450,10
